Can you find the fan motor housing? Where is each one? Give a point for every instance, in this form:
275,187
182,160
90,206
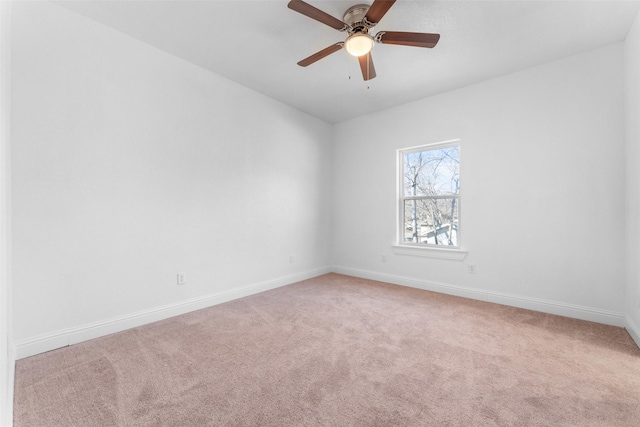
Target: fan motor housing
354,16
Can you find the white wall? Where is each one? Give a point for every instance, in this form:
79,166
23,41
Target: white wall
130,165
632,111
7,364
542,179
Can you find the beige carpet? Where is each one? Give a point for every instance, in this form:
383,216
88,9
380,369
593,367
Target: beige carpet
341,351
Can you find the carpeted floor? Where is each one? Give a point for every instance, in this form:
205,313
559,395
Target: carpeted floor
341,351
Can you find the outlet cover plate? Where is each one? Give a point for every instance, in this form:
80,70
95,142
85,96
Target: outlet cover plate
182,278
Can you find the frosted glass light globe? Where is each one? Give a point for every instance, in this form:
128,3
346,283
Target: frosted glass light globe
359,44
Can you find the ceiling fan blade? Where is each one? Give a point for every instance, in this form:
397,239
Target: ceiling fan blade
408,39
366,65
314,13
378,9
319,55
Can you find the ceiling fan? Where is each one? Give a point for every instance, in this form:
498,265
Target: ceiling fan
358,21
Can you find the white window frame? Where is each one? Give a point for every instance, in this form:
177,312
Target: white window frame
421,249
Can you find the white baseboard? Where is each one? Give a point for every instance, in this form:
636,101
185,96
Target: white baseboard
535,304
63,338
633,329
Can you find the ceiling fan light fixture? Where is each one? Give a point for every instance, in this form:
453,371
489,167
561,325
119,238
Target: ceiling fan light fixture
358,44
357,21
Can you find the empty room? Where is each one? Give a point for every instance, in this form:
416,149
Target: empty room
319,213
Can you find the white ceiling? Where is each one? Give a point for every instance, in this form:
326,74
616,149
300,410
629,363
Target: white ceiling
258,43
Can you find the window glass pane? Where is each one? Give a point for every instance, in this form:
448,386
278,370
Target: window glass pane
432,172
431,221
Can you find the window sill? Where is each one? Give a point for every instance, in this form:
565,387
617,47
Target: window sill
430,252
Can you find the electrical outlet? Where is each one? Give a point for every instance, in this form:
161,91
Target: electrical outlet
291,259
471,268
182,278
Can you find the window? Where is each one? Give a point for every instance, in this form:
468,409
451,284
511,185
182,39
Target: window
429,199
